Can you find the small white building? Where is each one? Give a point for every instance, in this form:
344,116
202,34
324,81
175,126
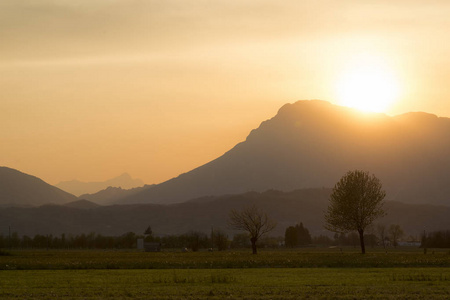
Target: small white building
140,244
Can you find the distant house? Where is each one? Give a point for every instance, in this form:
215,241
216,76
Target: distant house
409,243
152,247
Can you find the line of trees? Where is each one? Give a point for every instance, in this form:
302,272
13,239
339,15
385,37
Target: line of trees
295,236
298,235
192,240
389,235
436,239
69,241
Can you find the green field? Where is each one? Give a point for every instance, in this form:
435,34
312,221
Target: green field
297,258
305,273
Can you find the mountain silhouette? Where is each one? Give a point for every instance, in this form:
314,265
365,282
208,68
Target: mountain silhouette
111,194
287,209
78,188
20,189
312,144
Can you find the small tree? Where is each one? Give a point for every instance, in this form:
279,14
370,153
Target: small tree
395,233
304,237
252,220
148,231
356,201
290,237
148,234
298,235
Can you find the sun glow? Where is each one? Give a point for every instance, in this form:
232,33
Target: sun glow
367,84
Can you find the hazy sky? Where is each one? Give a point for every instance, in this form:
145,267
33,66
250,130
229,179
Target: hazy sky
90,89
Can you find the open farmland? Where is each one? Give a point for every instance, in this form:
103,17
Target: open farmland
297,258
258,283
288,274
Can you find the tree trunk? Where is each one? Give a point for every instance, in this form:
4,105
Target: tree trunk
361,240
253,240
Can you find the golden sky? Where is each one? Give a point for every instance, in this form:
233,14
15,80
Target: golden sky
90,89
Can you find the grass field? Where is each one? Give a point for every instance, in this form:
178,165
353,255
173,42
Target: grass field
297,258
305,273
313,283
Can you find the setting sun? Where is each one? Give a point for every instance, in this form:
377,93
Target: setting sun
367,84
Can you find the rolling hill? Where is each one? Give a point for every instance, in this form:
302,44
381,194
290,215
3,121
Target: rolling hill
20,189
311,144
82,204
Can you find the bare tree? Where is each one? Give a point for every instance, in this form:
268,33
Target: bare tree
252,220
381,230
220,239
356,201
395,233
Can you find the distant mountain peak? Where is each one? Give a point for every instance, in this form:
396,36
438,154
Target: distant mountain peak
78,188
312,143
124,175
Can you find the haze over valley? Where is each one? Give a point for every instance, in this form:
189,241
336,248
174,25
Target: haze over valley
287,166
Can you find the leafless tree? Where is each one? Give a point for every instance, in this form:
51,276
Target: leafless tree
252,220
395,233
220,239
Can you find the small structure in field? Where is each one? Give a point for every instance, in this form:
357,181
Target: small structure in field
152,247
140,244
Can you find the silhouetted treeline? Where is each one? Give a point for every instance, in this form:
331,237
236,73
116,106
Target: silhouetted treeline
69,241
352,239
299,235
218,240
436,239
192,240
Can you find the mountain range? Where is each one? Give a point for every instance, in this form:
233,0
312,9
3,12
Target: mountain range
311,144
308,144
286,166
202,214
78,188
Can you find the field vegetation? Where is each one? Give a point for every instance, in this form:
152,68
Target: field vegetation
314,273
292,258
256,283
